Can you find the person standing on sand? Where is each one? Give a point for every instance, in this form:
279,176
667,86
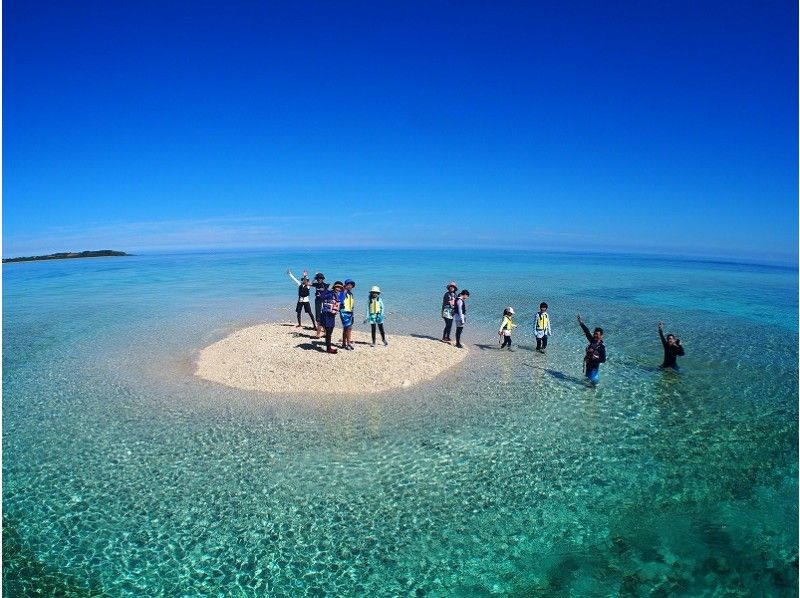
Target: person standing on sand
330,307
448,310
348,304
461,315
595,352
321,286
375,313
303,291
672,348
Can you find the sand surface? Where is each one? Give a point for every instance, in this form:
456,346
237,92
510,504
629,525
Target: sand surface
279,358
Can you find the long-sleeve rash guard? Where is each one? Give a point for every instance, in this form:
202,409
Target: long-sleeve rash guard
595,352
671,352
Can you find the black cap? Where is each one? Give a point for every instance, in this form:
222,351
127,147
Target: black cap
319,276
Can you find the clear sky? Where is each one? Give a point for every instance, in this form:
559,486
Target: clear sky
655,126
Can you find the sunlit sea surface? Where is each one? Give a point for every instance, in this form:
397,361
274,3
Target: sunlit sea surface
124,475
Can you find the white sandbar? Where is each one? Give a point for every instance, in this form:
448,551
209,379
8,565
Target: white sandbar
278,358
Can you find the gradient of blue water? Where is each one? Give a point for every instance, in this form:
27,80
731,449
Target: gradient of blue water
126,475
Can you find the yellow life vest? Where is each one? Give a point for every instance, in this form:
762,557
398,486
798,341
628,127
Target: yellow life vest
542,321
507,324
349,302
374,306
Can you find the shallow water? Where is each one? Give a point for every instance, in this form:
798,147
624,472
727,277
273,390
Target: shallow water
123,474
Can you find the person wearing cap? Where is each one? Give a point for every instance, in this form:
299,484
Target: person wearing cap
348,303
448,310
506,326
375,313
330,307
321,286
303,291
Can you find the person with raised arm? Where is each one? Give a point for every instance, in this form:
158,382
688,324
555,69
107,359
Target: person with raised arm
672,348
303,292
595,352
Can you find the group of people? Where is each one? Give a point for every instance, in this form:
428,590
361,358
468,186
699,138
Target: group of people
339,299
454,309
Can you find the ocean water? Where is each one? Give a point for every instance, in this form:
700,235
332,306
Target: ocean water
124,475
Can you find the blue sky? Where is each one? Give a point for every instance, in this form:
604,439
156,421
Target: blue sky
665,127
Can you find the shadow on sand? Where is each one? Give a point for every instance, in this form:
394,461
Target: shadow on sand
427,336
318,346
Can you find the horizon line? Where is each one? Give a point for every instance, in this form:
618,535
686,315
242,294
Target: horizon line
702,257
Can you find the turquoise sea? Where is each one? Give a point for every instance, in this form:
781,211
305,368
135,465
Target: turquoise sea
124,475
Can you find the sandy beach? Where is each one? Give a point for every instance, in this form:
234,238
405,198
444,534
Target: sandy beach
279,358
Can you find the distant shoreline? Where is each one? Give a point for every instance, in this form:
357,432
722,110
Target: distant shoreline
66,256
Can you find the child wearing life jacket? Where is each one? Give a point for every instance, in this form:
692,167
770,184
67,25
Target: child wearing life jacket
595,352
375,313
330,307
541,329
348,303
506,326
461,315
303,292
448,310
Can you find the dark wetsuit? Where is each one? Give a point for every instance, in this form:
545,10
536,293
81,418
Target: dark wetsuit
595,355
671,352
319,285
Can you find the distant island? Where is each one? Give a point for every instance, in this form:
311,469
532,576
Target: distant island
66,256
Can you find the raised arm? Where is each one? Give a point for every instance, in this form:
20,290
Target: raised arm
585,329
661,334
289,272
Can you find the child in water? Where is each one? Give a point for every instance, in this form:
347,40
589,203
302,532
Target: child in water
672,348
348,303
506,326
330,307
595,352
541,329
375,313
461,315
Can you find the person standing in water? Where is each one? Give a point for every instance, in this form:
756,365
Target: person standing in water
672,348
303,292
375,313
506,326
448,310
541,329
595,352
461,315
